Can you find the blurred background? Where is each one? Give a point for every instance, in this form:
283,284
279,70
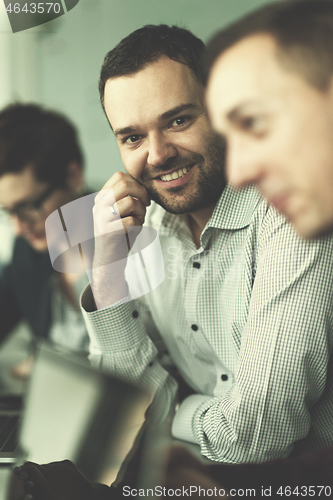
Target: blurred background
57,64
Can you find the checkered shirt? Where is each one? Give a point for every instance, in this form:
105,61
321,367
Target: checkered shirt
247,321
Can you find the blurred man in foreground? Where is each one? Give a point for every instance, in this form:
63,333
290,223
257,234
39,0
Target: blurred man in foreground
270,93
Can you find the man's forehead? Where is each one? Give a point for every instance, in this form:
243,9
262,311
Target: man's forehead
244,73
156,89
17,187
164,72
250,48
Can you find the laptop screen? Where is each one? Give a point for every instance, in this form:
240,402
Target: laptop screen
76,412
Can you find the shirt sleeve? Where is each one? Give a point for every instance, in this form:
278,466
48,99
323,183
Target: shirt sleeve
125,342
280,384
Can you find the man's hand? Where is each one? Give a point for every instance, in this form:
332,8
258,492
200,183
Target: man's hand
119,213
54,481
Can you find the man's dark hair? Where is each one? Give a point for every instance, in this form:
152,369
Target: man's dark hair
145,46
42,139
302,30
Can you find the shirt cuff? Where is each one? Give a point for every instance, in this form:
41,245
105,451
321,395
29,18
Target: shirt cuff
117,326
182,425
88,304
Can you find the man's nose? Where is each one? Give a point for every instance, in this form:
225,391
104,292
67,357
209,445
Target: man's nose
19,225
160,149
242,166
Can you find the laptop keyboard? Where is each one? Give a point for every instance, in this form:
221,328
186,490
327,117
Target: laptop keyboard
8,432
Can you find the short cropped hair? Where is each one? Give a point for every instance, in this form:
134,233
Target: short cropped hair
145,46
302,30
42,139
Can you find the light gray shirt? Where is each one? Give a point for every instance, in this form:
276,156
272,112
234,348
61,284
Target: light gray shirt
247,321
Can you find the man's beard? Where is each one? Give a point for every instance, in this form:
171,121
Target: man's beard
210,184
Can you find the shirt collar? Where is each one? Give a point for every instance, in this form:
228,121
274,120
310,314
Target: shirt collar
233,210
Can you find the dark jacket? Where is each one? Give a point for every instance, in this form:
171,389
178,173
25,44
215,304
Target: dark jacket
25,291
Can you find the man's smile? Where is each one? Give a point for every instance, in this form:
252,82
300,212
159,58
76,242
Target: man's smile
175,174
175,177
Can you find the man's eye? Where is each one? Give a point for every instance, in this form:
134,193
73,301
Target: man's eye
179,121
131,139
255,124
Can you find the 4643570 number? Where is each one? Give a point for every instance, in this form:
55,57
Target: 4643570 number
304,491
34,8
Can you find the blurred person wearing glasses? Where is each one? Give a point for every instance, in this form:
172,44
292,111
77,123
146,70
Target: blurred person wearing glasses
40,170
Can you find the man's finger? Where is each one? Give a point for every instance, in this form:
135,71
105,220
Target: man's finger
130,206
123,185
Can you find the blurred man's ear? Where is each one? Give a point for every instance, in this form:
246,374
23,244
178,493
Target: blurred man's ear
75,181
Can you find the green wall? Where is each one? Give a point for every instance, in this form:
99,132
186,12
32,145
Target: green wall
58,64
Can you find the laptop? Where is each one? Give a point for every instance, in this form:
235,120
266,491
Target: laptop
10,417
73,411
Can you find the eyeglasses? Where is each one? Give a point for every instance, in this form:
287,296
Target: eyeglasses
29,211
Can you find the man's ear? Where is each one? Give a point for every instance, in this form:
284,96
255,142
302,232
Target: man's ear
75,181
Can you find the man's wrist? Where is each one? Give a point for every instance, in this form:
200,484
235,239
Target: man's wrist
108,288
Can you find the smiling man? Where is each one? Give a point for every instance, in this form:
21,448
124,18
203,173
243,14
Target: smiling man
183,181
226,317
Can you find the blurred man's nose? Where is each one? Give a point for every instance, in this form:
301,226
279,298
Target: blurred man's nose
20,226
243,167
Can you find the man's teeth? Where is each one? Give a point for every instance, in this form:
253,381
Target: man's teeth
175,175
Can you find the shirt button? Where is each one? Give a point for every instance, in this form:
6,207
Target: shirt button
135,314
195,327
150,364
196,265
224,377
